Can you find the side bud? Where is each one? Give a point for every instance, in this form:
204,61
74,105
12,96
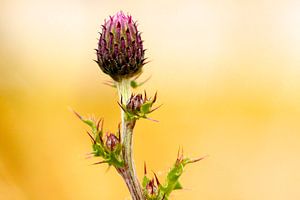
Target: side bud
112,142
135,103
151,189
120,52
110,149
138,106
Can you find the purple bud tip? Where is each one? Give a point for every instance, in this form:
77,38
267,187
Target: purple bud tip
151,187
111,142
135,102
121,53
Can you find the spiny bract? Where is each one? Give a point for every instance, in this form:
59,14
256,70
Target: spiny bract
120,52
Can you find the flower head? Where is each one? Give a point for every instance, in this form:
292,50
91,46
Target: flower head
120,52
111,142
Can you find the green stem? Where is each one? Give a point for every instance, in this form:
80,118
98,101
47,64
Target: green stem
124,92
128,172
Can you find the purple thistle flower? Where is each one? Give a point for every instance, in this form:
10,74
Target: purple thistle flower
120,52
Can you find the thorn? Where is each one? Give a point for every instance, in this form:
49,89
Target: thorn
98,124
89,156
101,162
92,117
100,135
178,152
109,84
154,99
137,76
145,97
146,62
145,169
101,140
79,116
164,196
108,168
154,109
119,131
179,156
91,137
121,99
102,124
154,120
198,159
157,181
121,106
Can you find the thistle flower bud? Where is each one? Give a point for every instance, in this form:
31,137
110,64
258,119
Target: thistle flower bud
138,106
120,52
151,188
135,102
111,142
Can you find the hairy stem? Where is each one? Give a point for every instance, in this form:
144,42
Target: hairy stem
128,171
124,92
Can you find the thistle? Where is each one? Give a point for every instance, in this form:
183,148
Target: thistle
120,54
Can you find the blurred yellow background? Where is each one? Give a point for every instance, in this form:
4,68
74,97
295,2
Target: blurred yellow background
227,73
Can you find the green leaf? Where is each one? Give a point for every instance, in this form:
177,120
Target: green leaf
113,160
145,108
133,84
146,180
91,124
98,151
178,186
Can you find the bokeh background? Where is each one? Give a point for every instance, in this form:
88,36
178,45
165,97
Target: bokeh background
227,74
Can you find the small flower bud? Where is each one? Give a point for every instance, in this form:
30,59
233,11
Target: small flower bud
138,106
120,52
151,188
111,142
135,102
